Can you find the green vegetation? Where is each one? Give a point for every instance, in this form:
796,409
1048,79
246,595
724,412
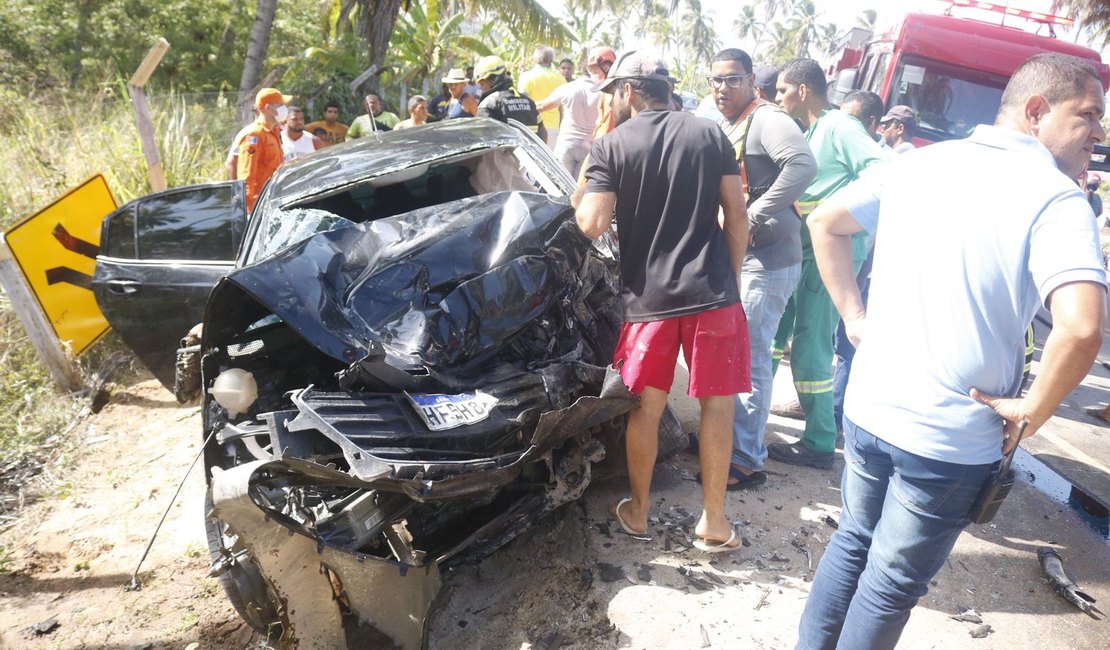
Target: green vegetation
65,113
99,135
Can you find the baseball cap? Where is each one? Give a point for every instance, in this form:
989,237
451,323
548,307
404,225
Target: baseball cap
270,96
902,113
766,77
600,54
635,65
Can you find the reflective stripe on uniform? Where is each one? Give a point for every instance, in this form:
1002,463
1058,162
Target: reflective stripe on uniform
1030,347
807,206
813,387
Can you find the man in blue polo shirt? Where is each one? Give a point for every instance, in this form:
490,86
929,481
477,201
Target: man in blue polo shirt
933,398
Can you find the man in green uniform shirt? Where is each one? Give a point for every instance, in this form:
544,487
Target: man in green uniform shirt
843,149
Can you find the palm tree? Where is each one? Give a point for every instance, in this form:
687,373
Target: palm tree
782,44
698,33
528,20
257,45
773,8
426,42
803,24
1090,15
587,29
827,35
748,25
867,19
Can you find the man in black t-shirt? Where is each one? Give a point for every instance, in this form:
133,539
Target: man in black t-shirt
666,173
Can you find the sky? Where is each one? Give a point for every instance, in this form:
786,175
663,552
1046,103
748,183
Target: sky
843,13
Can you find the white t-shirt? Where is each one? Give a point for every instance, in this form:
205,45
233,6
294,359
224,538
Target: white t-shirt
579,110
294,149
971,237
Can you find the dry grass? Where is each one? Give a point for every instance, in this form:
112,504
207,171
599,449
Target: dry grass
48,146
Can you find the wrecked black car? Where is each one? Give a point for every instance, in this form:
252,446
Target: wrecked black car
406,368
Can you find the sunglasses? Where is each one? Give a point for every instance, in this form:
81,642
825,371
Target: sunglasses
732,81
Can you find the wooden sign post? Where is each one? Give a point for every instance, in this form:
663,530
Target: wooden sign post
66,376
142,113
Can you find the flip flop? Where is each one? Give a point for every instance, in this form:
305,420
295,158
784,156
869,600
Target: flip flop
743,481
634,534
713,546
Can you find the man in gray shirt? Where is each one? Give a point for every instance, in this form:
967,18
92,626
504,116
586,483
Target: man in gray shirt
776,167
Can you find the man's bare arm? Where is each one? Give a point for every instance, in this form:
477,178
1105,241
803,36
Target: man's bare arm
831,227
1078,318
576,198
547,104
595,213
734,220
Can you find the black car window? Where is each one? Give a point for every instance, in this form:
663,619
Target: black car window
121,234
197,224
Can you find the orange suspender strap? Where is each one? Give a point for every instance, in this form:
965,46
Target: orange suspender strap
738,136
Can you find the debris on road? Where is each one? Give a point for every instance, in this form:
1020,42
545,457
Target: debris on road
1053,566
980,631
609,572
45,627
967,616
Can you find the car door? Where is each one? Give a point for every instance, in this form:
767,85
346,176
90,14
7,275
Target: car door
160,256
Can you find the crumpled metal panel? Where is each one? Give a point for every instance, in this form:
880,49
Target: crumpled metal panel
446,287
328,598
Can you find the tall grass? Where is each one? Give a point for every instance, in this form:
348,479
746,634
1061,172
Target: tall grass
49,145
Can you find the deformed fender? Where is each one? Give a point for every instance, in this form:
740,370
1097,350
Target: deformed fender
327,596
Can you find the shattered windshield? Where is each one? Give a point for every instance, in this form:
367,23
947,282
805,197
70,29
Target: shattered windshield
284,228
400,191
950,101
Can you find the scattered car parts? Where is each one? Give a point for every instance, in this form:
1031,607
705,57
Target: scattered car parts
1053,567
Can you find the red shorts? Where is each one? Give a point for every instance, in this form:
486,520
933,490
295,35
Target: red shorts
715,344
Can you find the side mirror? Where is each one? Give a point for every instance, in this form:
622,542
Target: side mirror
842,84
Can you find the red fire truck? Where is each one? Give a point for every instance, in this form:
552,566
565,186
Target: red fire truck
951,70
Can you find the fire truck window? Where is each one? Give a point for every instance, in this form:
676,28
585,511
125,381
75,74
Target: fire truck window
876,76
949,101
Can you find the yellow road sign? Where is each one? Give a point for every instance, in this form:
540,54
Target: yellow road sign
56,251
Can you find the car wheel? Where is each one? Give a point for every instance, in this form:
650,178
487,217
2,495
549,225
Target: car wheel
240,578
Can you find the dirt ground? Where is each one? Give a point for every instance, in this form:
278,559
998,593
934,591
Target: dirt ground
573,582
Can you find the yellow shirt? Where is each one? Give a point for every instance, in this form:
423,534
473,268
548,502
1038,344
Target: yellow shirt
538,83
332,134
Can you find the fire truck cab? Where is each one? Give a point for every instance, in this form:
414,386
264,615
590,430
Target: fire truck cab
951,70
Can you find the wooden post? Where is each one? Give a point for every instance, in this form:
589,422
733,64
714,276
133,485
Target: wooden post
142,113
51,353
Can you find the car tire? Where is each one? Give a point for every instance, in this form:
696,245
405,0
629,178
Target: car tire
243,583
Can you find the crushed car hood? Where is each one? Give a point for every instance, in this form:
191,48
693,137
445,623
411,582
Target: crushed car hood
434,289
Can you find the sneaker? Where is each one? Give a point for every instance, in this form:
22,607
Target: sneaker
792,410
799,454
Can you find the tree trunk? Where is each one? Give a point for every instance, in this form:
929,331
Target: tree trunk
227,40
256,47
376,26
84,10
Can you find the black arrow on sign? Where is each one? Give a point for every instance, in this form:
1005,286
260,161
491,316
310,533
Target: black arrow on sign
60,274
79,246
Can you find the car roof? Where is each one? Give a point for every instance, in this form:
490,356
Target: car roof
373,155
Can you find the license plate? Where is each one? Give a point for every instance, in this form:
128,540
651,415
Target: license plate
441,412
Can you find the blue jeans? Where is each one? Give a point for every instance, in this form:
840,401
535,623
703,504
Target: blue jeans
764,295
901,516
